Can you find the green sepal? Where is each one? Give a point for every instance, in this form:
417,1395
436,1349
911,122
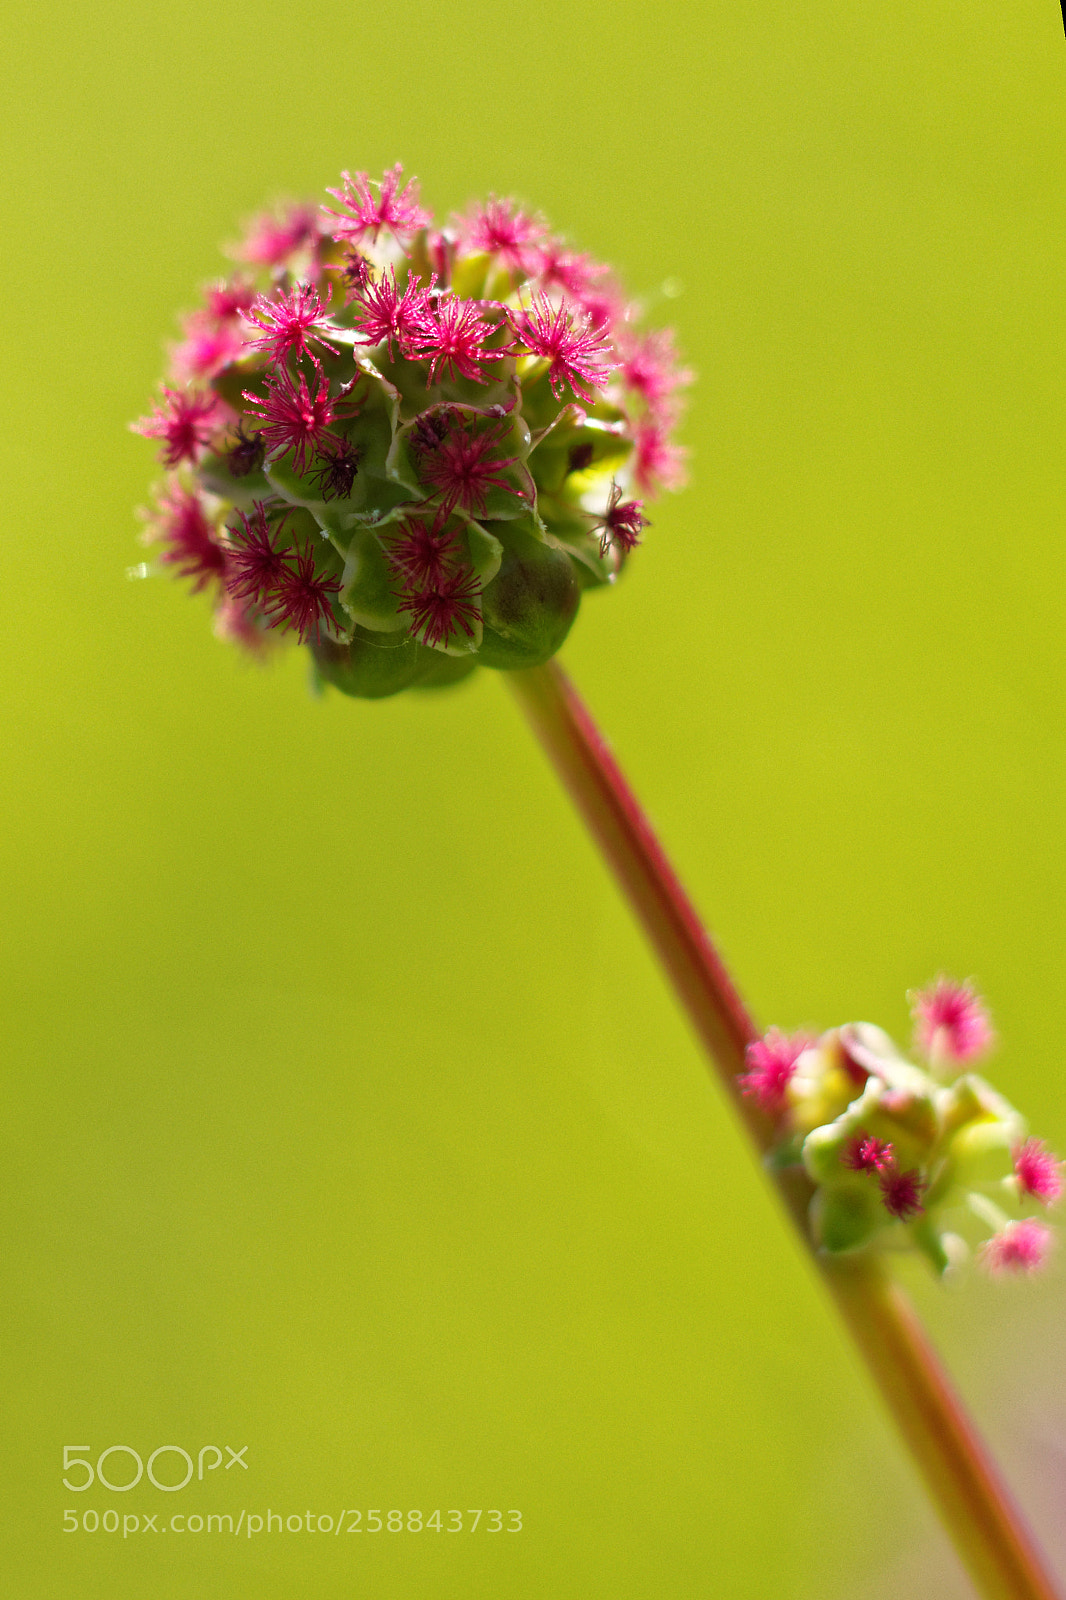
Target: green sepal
215,476
368,586
528,608
485,551
930,1241
371,667
444,671
846,1217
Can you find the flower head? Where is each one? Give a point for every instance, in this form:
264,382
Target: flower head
1038,1172
463,420
1019,1247
951,1021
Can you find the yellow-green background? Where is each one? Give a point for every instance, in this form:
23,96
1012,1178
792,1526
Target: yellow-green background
349,1119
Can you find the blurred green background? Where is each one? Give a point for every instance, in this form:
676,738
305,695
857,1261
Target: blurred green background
349,1118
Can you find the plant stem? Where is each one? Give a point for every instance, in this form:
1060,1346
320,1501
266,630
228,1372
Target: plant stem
989,1533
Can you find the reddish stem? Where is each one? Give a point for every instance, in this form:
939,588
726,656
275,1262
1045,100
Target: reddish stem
989,1532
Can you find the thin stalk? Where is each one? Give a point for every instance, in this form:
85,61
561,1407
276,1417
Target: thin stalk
989,1533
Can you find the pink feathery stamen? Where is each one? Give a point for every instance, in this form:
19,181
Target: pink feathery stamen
184,422
463,468
384,313
292,416
867,1154
771,1062
453,334
1019,1247
256,564
439,613
270,240
300,597
902,1192
366,213
422,553
555,267
951,1020
500,228
621,523
191,547
292,322
657,463
207,347
1039,1173
226,302
650,368
577,354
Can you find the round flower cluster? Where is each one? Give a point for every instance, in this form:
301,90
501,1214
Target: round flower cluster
901,1155
411,448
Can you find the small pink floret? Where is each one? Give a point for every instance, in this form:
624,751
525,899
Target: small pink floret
364,213
190,546
622,522
184,422
1019,1247
301,597
294,416
453,335
291,323
500,228
771,1061
902,1192
867,1154
1039,1173
270,239
444,609
951,1020
384,313
464,468
578,354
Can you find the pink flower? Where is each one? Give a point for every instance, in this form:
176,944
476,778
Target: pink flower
293,417
951,1020
383,313
901,1192
271,239
440,612
290,324
1038,1172
1018,1247
208,346
453,334
500,229
650,368
191,547
185,423
463,468
657,462
365,213
227,301
771,1061
556,267
867,1154
621,523
300,598
577,355
256,563
422,553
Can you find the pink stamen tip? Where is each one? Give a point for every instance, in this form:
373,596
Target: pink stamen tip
1019,1247
364,213
184,422
771,1062
577,353
463,468
901,1193
291,322
867,1154
294,417
951,1020
439,613
1039,1173
622,523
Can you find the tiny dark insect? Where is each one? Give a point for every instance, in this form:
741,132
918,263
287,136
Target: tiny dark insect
246,454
